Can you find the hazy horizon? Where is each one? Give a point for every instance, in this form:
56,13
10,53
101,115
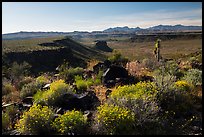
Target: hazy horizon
96,16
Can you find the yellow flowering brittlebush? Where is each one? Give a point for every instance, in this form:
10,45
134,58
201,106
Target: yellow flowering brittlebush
58,85
36,120
53,95
139,90
70,122
183,85
115,119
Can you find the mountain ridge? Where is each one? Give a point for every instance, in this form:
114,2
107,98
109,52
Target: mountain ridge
125,29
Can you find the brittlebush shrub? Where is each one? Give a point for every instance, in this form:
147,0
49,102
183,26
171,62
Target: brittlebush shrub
112,120
54,95
182,85
136,91
141,100
71,122
37,120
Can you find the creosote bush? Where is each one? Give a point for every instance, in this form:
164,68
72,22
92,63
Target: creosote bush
36,121
112,120
71,122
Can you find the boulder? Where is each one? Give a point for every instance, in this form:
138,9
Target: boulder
27,100
101,66
114,72
85,101
89,101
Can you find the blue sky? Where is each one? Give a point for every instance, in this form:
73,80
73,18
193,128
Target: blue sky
96,16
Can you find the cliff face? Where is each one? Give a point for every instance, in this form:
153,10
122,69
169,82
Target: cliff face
45,60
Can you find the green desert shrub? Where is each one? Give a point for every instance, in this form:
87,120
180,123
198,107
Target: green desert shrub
164,79
118,59
111,120
175,103
36,121
69,74
150,63
83,85
53,95
7,88
71,122
24,81
6,122
42,80
9,117
16,71
97,80
29,89
193,76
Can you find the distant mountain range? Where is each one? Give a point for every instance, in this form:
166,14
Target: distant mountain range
122,29
155,28
115,30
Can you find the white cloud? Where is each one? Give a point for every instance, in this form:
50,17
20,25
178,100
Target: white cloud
146,19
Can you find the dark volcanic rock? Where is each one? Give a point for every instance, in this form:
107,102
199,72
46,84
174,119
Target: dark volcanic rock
113,73
85,101
101,66
102,45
